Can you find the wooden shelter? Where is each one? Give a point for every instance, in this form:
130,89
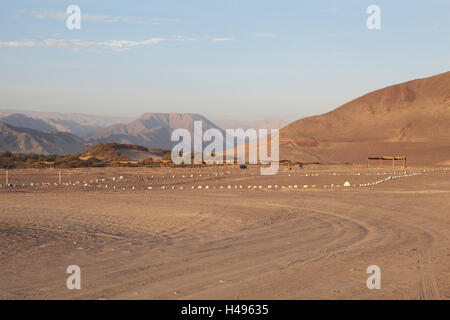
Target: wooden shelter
391,158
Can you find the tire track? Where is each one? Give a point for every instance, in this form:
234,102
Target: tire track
428,285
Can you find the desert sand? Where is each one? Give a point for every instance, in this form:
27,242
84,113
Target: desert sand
298,235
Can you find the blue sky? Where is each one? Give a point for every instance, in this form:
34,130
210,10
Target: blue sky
223,59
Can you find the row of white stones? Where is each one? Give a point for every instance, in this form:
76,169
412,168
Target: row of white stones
389,178
346,183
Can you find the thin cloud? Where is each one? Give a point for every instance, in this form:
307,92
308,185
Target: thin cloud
104,18
25,43
97,46
222,39
117,45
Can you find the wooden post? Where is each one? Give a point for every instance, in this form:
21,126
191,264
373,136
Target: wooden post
6,177
381,163
59,176
393,162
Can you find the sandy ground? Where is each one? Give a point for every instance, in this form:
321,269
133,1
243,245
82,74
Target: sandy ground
298,235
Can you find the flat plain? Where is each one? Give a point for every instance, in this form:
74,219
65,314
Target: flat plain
222,233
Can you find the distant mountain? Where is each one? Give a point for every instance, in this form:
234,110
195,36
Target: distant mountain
79,124
151,130
27,140
267,123
411,119
20,120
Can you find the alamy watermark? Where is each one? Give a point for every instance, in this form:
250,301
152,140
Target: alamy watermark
73,21
214,152
374,20
74,280
374,281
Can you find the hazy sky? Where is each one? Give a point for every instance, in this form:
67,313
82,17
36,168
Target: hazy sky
223,59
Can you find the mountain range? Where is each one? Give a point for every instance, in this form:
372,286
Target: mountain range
410,119
25,134
81,125
151,130
26,140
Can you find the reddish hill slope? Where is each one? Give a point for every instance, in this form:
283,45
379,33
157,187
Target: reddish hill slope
412,119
